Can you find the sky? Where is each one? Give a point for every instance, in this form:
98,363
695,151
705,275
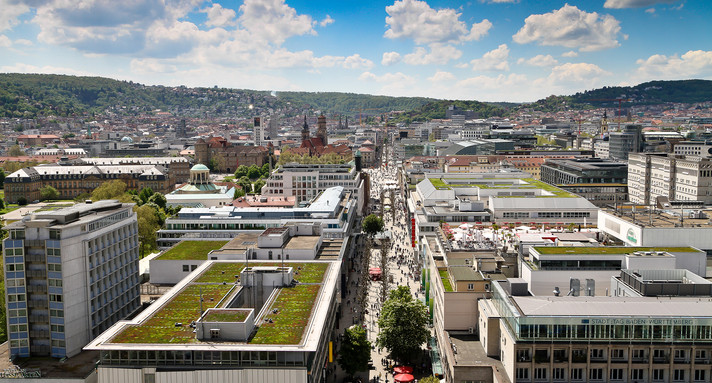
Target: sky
486,50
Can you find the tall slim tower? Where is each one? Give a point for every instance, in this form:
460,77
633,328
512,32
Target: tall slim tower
321,131
305,129
258,132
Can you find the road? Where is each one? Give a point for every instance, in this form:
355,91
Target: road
401,266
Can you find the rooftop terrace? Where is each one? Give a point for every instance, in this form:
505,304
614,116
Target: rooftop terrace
575,250
170,322
191,250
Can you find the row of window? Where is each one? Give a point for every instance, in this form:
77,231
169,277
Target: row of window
604,331
614,374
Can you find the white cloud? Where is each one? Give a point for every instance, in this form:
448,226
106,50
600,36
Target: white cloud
499,1
650,10
494,60
390,58
416,20
539,60
46,69
439,54
577,73
570,54
391,83
635,3
570,27
24,42
274,20
355,61
327,20
5,41
692,64
441,76
11,10
219,16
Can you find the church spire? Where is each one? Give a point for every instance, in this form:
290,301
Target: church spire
305,129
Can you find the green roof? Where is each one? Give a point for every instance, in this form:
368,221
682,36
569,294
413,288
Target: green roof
446,280
199,167
608,249
191,250
294,307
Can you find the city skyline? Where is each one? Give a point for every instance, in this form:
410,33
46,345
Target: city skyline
487,50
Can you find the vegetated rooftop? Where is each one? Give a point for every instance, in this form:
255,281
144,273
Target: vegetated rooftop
170,324
608,249
446,280
191,250
530,183
228,315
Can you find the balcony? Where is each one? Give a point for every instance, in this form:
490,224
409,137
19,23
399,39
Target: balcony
37,289
37,303
39,334
661,359
39,318
36,258
36,273
35,243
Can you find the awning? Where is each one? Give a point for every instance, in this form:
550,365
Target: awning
437,365
403,370
403,378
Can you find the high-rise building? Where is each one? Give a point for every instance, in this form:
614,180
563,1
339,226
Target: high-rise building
273,127
321,130
630,140
675,177
258,132
69,275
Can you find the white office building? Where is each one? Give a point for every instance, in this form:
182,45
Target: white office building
69,275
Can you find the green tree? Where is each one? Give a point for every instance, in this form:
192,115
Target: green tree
241,171
158,199
145,194
2,179
148,225
372,224
22,201
403,325
238,193
430,379
82,197
257,186
245,184
355,350
254,172
109,190
15,151
48,192
265,170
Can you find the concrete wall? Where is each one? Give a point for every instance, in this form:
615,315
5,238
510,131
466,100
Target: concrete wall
542,282
170,272
460,312
135,375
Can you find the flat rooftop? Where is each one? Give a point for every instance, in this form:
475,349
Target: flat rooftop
242,242
614,306
592,250
166,323
191,250
302,242
661,218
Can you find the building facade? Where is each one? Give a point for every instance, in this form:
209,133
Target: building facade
226,157
72,181
306,181
675,177
69,274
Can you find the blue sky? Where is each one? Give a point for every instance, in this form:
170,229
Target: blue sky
488,50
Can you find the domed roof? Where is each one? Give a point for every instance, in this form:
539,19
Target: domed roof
199,167
127,139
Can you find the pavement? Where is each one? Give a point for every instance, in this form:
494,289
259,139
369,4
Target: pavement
405,271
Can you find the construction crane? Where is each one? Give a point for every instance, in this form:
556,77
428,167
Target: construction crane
620,106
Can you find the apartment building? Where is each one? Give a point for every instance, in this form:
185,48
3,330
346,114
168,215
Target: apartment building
69,275
675,177
306,181
596,339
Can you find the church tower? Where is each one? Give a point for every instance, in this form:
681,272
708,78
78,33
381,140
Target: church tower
305,129
321,131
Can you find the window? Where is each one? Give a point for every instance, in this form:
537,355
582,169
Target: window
680,354
617,353
616,374
54,282
57,328
186,268
193,267
637,374
522,374
658,353
55,297
56,313
700,375
596,353
678,375
540,374
54,267
558,374
700,354
523,355
638,353
57,343
595,374
470,286
658,375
